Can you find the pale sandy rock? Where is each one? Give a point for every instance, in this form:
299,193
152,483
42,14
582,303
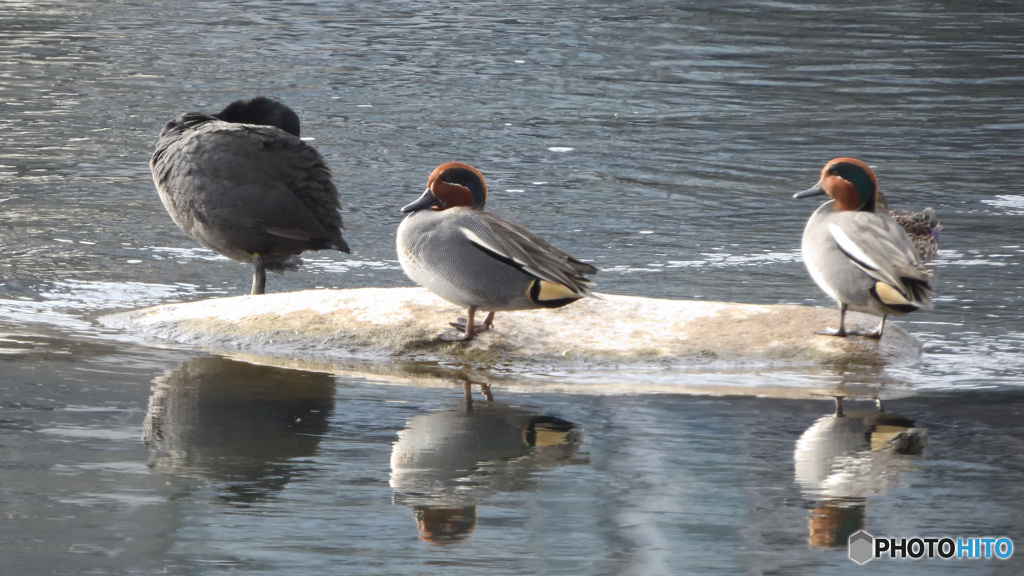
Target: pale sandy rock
330,329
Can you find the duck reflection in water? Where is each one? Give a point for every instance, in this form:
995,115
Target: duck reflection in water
236,423
444,463
844,458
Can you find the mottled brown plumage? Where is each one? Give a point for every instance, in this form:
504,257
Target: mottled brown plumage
922,227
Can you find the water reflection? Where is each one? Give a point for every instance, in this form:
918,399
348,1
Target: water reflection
445,463
236,423
844,458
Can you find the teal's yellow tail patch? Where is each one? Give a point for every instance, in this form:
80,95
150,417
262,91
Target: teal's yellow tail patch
551,294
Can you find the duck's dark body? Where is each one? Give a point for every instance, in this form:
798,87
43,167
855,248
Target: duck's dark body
254,193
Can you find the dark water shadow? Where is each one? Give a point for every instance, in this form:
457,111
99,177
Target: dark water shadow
236,423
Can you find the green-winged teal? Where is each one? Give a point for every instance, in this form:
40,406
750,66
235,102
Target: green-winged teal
474,258
864,260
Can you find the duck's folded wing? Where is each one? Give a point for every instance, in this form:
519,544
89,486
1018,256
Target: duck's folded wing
879,246
312,206
517,246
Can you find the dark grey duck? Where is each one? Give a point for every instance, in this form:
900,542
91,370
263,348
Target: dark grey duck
242,183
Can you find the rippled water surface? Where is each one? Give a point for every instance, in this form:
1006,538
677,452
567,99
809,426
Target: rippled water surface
662,141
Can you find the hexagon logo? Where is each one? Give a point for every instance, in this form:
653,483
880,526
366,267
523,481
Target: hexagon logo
862,547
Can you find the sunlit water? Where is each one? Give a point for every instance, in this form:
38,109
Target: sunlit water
660,141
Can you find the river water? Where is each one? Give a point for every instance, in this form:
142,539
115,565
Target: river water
662,141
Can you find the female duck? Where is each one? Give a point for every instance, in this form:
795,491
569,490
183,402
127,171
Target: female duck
922,227
474,258
862,259
243,184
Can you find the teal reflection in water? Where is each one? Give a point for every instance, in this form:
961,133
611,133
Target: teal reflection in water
445,463
846,457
